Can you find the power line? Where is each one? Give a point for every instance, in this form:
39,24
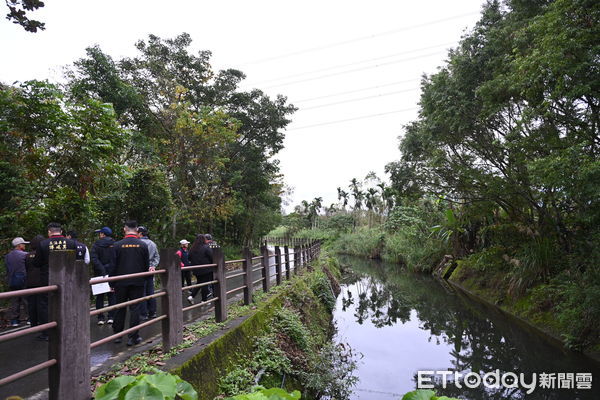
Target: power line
358,39
359,99
354,91
351,70
353,63
353,119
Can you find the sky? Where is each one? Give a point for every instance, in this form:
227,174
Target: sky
353,68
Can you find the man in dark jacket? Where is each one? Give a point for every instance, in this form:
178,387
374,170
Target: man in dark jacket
130,256
16,276
201,254
101,260
55,242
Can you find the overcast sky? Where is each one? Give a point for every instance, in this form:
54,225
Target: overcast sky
336,60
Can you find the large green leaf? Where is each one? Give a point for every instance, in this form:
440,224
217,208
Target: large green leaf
280,394
185,390
419,395
142,391
166,383
110,390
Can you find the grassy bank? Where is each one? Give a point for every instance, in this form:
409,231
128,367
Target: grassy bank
284,342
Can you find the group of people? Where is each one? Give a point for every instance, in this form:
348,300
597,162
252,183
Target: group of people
132,254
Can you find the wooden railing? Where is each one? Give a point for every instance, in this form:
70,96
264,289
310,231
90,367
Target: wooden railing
70,345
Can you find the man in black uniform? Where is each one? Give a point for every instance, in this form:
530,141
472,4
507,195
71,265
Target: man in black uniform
55,242
130,256
102,255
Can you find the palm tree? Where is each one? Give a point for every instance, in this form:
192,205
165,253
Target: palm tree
316,206
342,194
356,193
371,202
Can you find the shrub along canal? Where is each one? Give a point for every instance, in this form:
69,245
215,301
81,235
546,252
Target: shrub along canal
404,322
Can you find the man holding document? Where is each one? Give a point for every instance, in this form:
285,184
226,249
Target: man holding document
101,258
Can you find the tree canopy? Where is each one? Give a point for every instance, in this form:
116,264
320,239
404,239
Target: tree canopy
161,137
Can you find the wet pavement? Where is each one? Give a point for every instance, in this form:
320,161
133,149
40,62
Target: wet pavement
25,352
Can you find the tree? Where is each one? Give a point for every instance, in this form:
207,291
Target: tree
343,197
216,142
18,14
67,153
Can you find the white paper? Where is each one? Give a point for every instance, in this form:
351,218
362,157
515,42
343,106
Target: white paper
100,288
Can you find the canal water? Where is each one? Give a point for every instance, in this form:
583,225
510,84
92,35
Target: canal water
403,323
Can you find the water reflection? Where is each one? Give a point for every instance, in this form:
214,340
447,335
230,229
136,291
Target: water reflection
423,324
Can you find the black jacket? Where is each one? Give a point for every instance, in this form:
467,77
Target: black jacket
42,254
130,256
101,256
34,277
199,256
80,250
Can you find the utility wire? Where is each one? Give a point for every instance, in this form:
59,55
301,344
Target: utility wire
358,39
351,70
354,91
353,63
358,99
353,119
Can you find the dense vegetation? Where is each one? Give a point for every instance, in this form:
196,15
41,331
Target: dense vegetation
160,137
500,171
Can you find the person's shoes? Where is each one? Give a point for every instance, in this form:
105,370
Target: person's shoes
134,341
110,321
100,322
143,318
190,299
28,322
118,340
153,315
14,323
42,337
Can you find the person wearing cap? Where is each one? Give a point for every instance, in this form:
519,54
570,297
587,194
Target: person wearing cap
209,239
184,261
148,308
15,265
101,260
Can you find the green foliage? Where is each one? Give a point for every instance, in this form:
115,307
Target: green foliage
332,372
424,395
260,393
158,386
67,151
269,357
289,323
236,381
18,14
321,287
364,242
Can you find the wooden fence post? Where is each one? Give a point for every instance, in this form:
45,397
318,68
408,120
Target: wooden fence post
297,260
278,264
172,303
220,286
286,251
248,278
266,270
69,342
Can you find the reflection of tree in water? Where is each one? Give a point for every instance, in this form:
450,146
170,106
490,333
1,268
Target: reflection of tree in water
482,340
